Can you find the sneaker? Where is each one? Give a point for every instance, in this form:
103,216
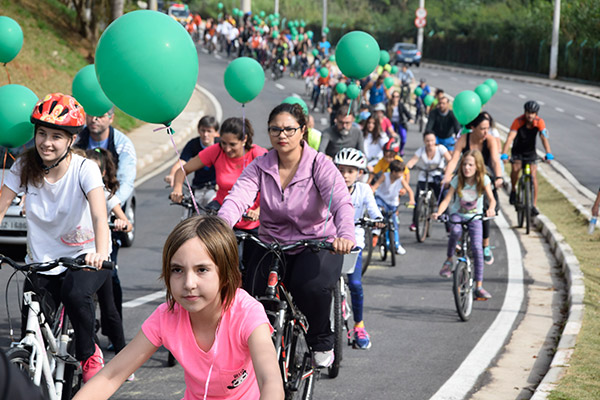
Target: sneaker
534,211
400,250
323,359
382,251
412,227
488,256
481,294
131,378
362,340
513,197
92,365
446,270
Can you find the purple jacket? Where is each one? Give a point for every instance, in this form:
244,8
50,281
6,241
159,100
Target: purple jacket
299,211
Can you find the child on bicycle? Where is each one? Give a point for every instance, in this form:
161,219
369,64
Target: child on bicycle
390,153
387,195
352,163
66,217
208,134
466,194
219,334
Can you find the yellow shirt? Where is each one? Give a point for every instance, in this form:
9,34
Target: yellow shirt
384,166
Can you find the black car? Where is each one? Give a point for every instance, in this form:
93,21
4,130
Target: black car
406,53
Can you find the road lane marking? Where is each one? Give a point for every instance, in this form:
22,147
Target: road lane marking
559,109
522,96
505,91
145,299
491,343
580,117
541,103
598,125
279,86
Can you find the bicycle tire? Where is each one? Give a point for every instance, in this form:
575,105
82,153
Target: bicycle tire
73,376
20,357
421,123
367,251
171,361
462,289
382,245
519,204
337,322
528,205
422,220
299,366
392,248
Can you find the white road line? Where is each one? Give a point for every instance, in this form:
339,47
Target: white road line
541,103
279,86
580,117
598,125
522,96
505,91
144,299
324,121
492,341
218,57
559,109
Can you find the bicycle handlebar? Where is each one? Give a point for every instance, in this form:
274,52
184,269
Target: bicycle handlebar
312,244
69,262
364,221
444,218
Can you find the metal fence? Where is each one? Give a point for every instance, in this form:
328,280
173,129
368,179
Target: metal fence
577,60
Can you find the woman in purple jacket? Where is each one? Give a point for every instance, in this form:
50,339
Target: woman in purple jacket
302,196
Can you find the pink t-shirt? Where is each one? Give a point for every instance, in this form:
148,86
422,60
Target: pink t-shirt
233,375
228,170
385,124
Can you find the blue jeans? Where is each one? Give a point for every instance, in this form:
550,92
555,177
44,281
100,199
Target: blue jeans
447,142
389,211
356,289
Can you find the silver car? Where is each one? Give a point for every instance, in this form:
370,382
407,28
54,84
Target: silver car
13,229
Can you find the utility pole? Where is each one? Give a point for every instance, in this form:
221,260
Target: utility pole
420,31
324,25
246,6
153,5
554,47
276,7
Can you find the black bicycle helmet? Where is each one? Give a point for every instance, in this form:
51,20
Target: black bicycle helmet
532,106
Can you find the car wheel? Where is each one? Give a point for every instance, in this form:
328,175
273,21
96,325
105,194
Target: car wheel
128,238
418,65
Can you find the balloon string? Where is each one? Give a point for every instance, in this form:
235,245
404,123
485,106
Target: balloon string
170,132
7,73
3,168
349,107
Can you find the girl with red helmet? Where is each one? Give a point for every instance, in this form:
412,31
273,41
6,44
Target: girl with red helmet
66,216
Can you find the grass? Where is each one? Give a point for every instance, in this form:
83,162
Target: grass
582,380
52,53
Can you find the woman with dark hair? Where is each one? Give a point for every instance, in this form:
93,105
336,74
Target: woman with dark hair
303,196
230,156
397,113
375,139
477,139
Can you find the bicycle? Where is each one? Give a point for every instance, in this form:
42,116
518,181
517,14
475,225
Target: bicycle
387,237
420,113
405,95
524,196
290,326
426,203
45,354
462,280
368,224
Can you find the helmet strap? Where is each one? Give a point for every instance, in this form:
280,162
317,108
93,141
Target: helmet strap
47,169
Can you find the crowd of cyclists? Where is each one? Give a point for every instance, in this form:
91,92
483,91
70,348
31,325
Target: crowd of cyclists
308,185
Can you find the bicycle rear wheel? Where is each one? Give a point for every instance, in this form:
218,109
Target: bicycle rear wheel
368,250
21,358
528,205
422,220
392,247
462,288
337,325
382,245
301,374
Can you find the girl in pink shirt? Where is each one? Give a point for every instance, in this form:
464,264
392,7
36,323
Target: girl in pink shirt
219,334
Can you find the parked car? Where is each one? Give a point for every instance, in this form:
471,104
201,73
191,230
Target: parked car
406,53
13,230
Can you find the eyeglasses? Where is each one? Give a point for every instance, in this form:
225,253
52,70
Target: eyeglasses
275,131
345,123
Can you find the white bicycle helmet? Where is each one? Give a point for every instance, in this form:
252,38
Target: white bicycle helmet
351,157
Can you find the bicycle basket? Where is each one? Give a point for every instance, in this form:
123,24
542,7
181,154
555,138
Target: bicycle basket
349,262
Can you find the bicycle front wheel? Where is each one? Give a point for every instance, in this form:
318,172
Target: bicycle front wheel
337,325
393,248
21,358
422,220
462,289
301,373
528,205
368,250
520,204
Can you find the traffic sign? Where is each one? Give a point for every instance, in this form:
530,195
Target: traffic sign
421,13
420,22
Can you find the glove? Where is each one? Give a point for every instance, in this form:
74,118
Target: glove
549,156
504,156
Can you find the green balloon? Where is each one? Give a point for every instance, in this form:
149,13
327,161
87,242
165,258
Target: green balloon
275,34
89,94
16,105
341,88
324,72
244,79
147,65
484,92
235,12
394,70
332,58
384,57
11,39
315,52
428,100
310,34
357,54
325,30
466,106
388,82
418,91
353,91
220,6
296,100
262,14
302,23
492,84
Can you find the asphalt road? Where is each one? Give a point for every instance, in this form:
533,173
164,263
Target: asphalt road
572,119
418,339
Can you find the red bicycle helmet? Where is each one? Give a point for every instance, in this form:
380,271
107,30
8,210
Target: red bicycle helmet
392,145
59,111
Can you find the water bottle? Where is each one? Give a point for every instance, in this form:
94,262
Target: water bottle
592,225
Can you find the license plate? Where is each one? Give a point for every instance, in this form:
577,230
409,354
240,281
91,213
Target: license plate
13,224
408,59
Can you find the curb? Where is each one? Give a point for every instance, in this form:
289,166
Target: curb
570,267
516,78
